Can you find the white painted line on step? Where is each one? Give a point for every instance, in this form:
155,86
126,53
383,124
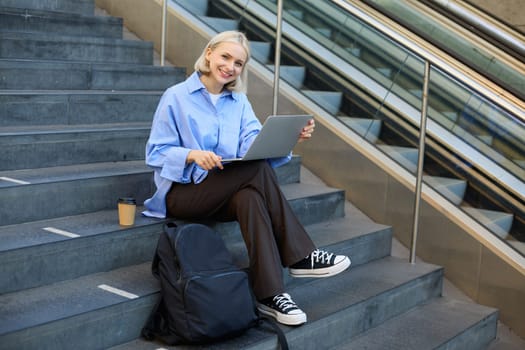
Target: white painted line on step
61,232
10,179
118,291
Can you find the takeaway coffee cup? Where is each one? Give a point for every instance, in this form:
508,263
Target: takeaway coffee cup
126,211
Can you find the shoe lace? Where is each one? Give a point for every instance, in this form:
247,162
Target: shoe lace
321,255
284,302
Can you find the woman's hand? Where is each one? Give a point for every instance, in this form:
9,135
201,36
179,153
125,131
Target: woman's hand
307,131
205,159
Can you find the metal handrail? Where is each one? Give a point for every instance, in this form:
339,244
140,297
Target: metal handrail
505,34
420,162
277,60
163,32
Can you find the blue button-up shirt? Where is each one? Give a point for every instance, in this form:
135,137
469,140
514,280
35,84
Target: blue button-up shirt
186,119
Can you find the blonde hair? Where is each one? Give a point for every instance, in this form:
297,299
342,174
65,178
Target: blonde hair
232,36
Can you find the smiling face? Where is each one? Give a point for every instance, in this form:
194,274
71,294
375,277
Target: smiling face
226,63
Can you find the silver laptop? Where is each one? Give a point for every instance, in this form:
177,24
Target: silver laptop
277,137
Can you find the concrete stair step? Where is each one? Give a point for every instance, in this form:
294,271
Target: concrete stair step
84,7
98,317
498,222
406,156
453,189
439,324
293,75
81,312
368,128
74,48
49,22
451,115
387,72
261,50
220,24
197,7
18,108
354,50
54,75
47,251
295,13
43,252
38,194
329,100
326,32
416,92
37,147
488,139
286,174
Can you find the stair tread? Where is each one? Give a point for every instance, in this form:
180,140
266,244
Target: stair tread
70,128
76,7
58,64
83,171
105,222
73,172
39,306
29,234
32,234
60,15
64,39
426,326
10,92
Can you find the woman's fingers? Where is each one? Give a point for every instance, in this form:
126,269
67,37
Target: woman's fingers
210,160
205,159
307,131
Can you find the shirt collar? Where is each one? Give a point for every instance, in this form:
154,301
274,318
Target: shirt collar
195,84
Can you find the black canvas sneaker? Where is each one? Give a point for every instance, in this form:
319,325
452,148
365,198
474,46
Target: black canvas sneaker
320,264
283,309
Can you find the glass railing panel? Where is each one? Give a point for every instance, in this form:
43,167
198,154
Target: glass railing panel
381,60
457,178
479,122
474,119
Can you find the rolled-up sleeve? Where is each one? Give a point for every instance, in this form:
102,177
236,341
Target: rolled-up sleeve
163,149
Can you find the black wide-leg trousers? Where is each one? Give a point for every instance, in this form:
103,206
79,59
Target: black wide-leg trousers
249,193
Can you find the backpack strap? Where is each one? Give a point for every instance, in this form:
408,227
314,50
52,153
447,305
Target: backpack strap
281,337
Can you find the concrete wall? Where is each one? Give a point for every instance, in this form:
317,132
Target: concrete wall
511,11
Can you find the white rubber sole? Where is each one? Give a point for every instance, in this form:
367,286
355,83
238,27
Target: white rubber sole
324,272
289,320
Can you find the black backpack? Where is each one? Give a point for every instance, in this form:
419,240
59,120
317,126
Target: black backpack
204,296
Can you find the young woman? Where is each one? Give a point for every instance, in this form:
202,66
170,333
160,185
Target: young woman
198,123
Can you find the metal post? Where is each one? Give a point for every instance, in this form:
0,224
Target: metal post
421,158
277,60
163,32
